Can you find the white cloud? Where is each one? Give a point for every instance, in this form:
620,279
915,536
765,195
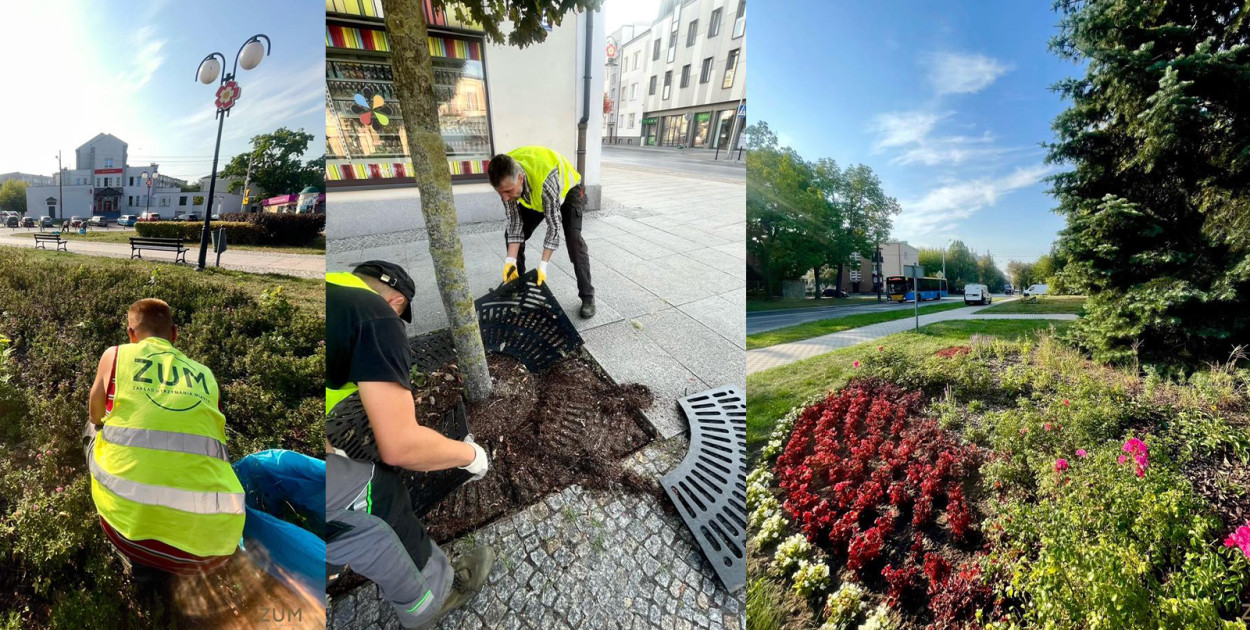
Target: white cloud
148,58
955,73
943,207
896,129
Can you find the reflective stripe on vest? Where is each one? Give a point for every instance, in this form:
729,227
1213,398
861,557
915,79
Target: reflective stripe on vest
165,441
538,162
183,500
335,396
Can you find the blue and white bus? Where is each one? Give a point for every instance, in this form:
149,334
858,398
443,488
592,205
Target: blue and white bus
900,289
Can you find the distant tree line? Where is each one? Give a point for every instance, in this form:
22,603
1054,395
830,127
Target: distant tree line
963,267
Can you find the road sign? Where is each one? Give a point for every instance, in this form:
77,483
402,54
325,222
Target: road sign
742,110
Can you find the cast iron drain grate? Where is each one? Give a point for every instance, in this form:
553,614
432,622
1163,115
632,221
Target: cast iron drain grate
523,320
709,486
348,429
433,351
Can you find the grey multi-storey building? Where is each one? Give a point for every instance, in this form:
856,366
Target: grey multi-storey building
682,81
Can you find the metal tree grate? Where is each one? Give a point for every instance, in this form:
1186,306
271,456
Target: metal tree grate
433,351
348,429
709,486
523,320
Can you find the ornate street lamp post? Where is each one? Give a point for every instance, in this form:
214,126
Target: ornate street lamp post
147,180
228,92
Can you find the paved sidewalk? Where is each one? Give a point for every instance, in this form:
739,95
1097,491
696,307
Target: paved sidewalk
300,265
786,353
667,256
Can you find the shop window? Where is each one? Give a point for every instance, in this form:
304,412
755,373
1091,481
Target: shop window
706,73
651,91
731,67
692,33
702,121
740,22
713,24
685,75
668,84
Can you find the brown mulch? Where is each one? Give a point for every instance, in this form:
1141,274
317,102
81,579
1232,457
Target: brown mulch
544,433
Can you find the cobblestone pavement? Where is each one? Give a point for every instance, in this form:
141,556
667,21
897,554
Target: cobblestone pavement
582,559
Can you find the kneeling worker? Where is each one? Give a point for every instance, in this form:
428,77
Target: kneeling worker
160,476
370,524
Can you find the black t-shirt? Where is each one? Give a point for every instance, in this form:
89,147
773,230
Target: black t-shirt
365,339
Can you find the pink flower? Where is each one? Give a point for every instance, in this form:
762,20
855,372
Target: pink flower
1080,452
1134,445
1024,430
856,364
36,507
1066,403
1121,459
60,489
38,455
880,348
1061,464
1240,539
1046,426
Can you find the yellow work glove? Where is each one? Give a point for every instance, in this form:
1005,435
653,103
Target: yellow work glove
509,269
542,272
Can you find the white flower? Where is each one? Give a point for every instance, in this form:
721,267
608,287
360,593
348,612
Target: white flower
810,577
880,619
789,553
843,607
771,530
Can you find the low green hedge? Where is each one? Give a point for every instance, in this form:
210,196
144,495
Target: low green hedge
236,233
282,229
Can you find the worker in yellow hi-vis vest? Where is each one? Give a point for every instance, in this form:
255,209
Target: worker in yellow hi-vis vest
536,184
161,479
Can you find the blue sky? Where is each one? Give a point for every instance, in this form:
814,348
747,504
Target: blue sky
76,68
947,102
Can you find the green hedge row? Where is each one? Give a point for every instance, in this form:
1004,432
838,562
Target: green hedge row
236,233
283,229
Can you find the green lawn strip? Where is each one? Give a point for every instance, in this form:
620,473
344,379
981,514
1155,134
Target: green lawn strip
1048,304
306,292
754,305
771,393
817,328
318,246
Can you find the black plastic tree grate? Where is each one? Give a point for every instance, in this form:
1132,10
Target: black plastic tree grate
433,351
523,320
348,429
709,486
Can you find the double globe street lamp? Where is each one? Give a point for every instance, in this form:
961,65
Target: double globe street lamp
147,180
228,92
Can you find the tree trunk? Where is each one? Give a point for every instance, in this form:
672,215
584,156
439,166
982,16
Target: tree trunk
816,275
839,280
414,85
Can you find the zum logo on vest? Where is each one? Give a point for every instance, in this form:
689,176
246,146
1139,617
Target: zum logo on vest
173,380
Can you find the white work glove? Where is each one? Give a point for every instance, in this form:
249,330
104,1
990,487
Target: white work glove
480,464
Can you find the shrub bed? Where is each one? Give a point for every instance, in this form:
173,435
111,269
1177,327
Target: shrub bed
282,229
236,233
57,315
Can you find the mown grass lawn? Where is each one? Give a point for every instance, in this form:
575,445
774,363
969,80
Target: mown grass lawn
114,235
817,328
771,393
1046,304
754,305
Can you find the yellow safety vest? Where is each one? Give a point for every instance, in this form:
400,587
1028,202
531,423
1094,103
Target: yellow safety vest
538,162
159,466
343,279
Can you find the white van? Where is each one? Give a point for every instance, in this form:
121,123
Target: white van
1037,289
977,294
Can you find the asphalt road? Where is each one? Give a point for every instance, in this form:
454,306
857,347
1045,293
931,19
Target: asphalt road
761,321
689,161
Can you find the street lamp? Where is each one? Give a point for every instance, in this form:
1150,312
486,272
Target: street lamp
228,92
147,180
948,242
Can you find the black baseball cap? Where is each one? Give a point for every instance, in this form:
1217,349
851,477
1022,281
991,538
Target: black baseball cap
395,277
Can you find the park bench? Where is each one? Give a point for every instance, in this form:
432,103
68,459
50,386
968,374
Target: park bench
140,243
41,241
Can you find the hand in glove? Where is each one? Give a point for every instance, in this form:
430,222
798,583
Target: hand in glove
542,273
509,270
480,464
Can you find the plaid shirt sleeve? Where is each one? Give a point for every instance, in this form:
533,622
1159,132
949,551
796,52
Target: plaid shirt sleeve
515,232
551,208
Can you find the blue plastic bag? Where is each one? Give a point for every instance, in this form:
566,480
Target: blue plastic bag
284,484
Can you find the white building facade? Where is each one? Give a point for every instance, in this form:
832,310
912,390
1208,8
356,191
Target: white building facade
681,82
103,183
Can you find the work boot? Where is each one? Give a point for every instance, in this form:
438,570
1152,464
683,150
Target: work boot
471,570
588,308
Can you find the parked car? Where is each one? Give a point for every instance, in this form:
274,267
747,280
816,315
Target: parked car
45,222
1037,289
1006,289
150,216
11,221
977,294
99,221
126,220
75,221
191,216
28,222
833,293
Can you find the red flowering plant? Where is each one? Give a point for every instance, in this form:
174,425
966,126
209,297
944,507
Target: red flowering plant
879,488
